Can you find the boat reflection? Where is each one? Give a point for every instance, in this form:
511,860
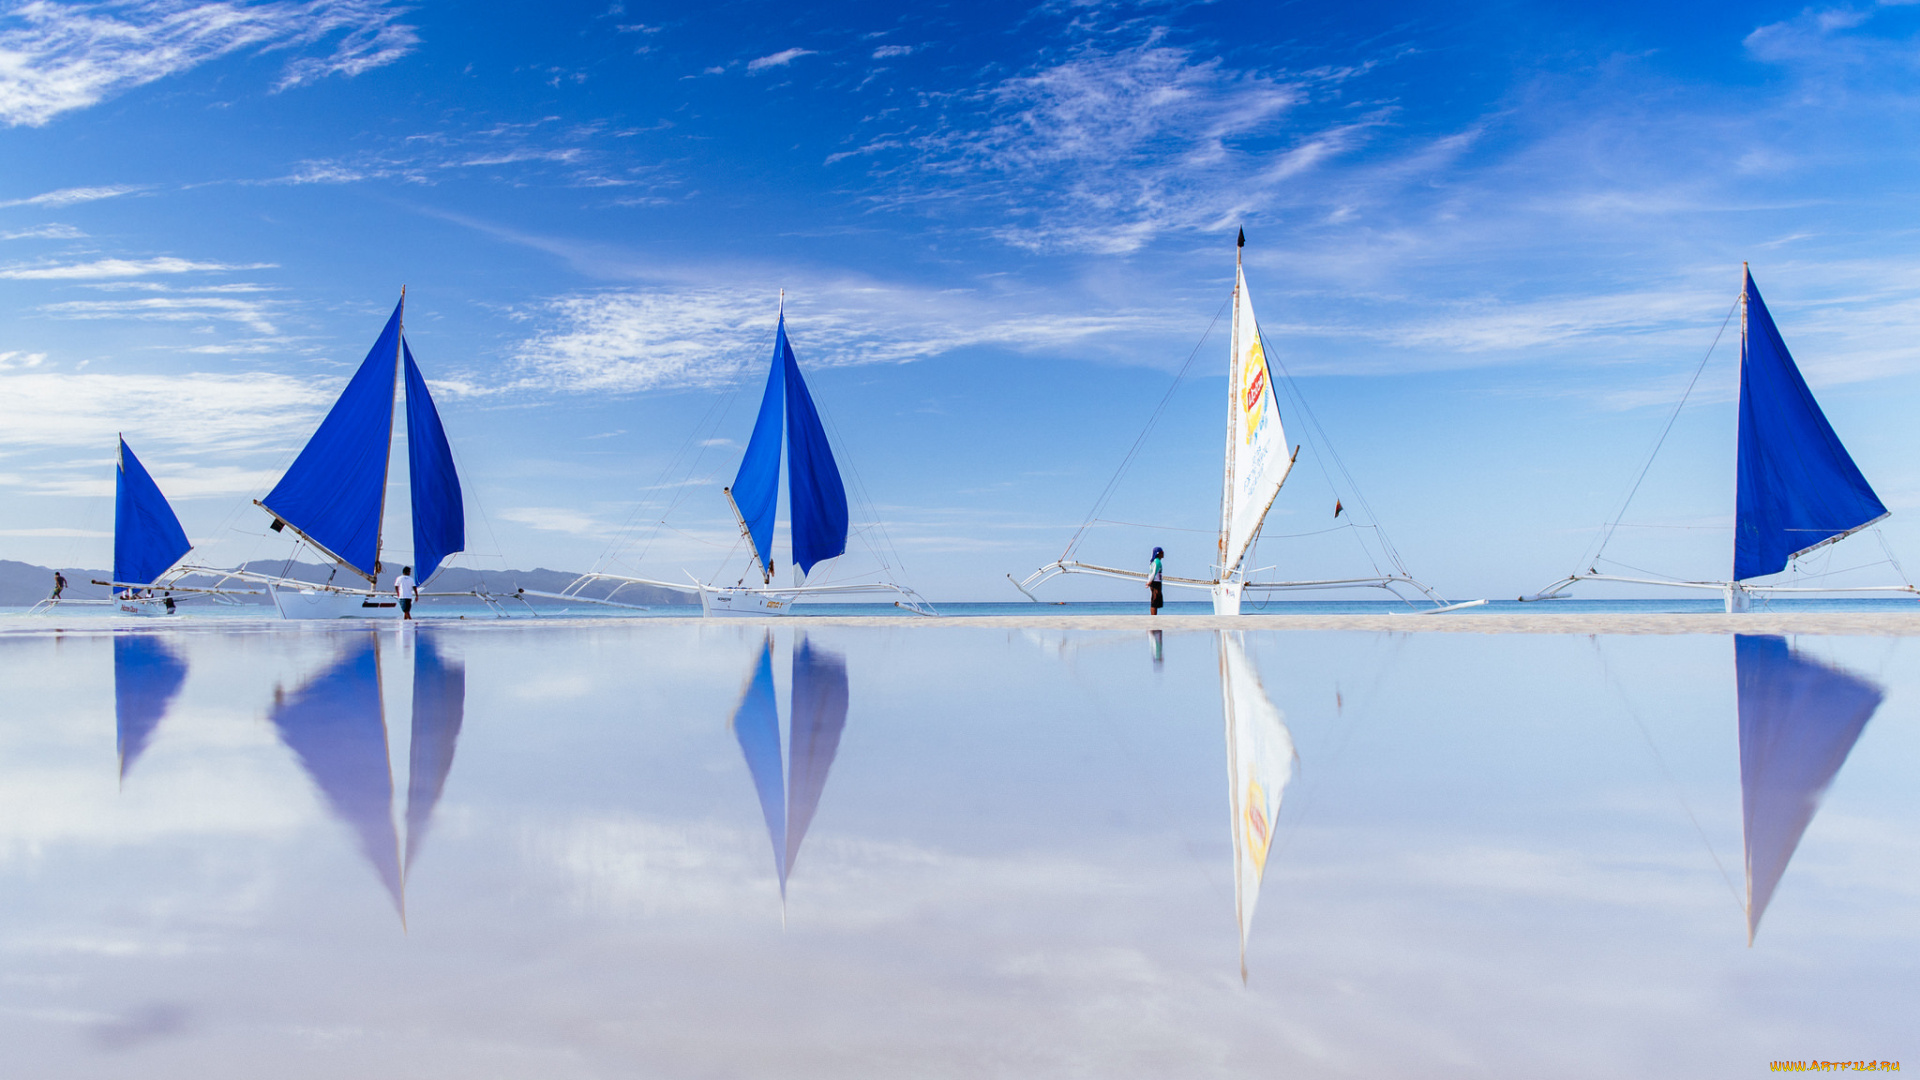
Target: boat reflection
1260,763
439,704
1799,718
336,725
146,677
817,714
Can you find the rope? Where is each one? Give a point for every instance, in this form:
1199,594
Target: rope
1606,536
1113,484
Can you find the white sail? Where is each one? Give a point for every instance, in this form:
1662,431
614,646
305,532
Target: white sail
1259,764
1257,458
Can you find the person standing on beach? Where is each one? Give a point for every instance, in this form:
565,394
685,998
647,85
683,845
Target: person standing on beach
403,588
59,584
1153,583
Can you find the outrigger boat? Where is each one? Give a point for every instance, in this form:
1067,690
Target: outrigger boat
333,496
818,518
1257,464
1796,488
148,544
1260,763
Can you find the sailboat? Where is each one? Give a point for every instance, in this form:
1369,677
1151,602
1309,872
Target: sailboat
439,705
333,497
1799,719
818,518
1260,764
1796,488
1257,464
790,796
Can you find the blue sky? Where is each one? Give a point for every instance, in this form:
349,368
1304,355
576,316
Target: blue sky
1491,242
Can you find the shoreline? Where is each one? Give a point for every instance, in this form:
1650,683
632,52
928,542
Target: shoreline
1839,624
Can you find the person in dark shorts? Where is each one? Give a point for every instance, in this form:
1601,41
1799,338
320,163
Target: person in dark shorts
59,584
403,588
1153,583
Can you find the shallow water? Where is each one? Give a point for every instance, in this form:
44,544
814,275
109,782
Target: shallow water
541,850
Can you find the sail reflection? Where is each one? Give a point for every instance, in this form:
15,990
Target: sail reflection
1260,763
439,704
336,725
1799,718
817,715
146,678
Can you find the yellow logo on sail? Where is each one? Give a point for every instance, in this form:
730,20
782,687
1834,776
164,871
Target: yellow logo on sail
1253,404
1259,830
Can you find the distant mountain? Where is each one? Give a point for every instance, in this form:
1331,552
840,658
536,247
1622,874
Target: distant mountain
23,584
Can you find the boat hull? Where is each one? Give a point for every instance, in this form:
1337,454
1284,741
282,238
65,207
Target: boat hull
1226,598
736,603
294,603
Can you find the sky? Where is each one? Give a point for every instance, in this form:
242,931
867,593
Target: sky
1489,244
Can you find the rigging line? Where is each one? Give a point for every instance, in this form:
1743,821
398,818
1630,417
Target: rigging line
1606,535
1156,528
1326,442
709,422
1672,783
1897,568
1126,462
866,503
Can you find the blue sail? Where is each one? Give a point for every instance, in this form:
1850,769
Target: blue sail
756,487
147,537
335,724
1797,488
439,704
146,676
756,724
813,480
439,513
819,715
335,490
1798,721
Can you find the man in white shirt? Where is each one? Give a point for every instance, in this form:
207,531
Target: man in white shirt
403,588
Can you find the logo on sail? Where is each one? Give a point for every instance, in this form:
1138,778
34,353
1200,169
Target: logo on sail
1259,835
1254,403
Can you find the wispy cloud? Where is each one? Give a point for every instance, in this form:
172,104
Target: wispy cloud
252,314
62,56
886,51
638,339
45,232
219,413
64,196
779,59
118,268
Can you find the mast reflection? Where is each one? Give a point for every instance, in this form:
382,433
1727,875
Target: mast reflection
817,715
1260,764
146,677
1799,718
336,725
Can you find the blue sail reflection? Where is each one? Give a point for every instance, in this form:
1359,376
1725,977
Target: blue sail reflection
146,678
1799,718
439,704
790,796
335,724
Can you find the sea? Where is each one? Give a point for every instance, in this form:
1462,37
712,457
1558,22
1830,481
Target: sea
662,846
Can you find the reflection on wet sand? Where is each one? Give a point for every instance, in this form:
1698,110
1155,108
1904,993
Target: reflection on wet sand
146,678
336,725
1799,718
439,703
1260,763
816,717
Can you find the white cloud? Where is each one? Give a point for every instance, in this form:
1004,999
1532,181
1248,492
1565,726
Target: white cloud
249,313
45,232
885,51
57,57
779,59
638,339
118,268
64,196
207,413
11,360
